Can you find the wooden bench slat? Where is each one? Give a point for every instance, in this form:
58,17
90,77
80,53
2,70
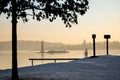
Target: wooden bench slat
54,58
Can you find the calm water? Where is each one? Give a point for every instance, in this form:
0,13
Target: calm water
23,56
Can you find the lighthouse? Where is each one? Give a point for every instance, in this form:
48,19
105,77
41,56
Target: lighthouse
42,47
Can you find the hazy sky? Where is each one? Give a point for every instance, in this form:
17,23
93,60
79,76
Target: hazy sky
103,17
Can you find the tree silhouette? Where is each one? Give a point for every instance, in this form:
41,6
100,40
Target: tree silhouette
67,10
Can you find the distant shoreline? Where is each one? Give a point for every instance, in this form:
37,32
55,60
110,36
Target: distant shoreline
36,46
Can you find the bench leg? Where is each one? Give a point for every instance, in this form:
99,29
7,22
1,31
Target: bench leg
55,61
32,62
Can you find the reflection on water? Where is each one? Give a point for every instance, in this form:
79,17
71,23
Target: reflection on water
23,56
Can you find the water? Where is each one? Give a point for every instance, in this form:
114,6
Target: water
23,56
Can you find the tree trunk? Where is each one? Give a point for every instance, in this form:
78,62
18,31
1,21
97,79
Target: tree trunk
14,42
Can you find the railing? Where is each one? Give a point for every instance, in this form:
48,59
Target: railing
55,59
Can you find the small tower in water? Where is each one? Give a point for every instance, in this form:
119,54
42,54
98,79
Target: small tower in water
42,47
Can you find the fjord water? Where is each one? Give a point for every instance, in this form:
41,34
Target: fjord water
23,57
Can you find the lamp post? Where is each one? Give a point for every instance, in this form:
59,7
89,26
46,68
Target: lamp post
94,36
107,37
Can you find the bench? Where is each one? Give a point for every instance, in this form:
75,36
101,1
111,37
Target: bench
55,59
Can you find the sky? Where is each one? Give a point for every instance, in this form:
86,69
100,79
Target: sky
102,18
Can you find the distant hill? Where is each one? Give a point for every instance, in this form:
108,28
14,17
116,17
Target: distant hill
36,46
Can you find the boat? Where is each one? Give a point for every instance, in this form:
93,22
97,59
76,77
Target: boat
57,51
